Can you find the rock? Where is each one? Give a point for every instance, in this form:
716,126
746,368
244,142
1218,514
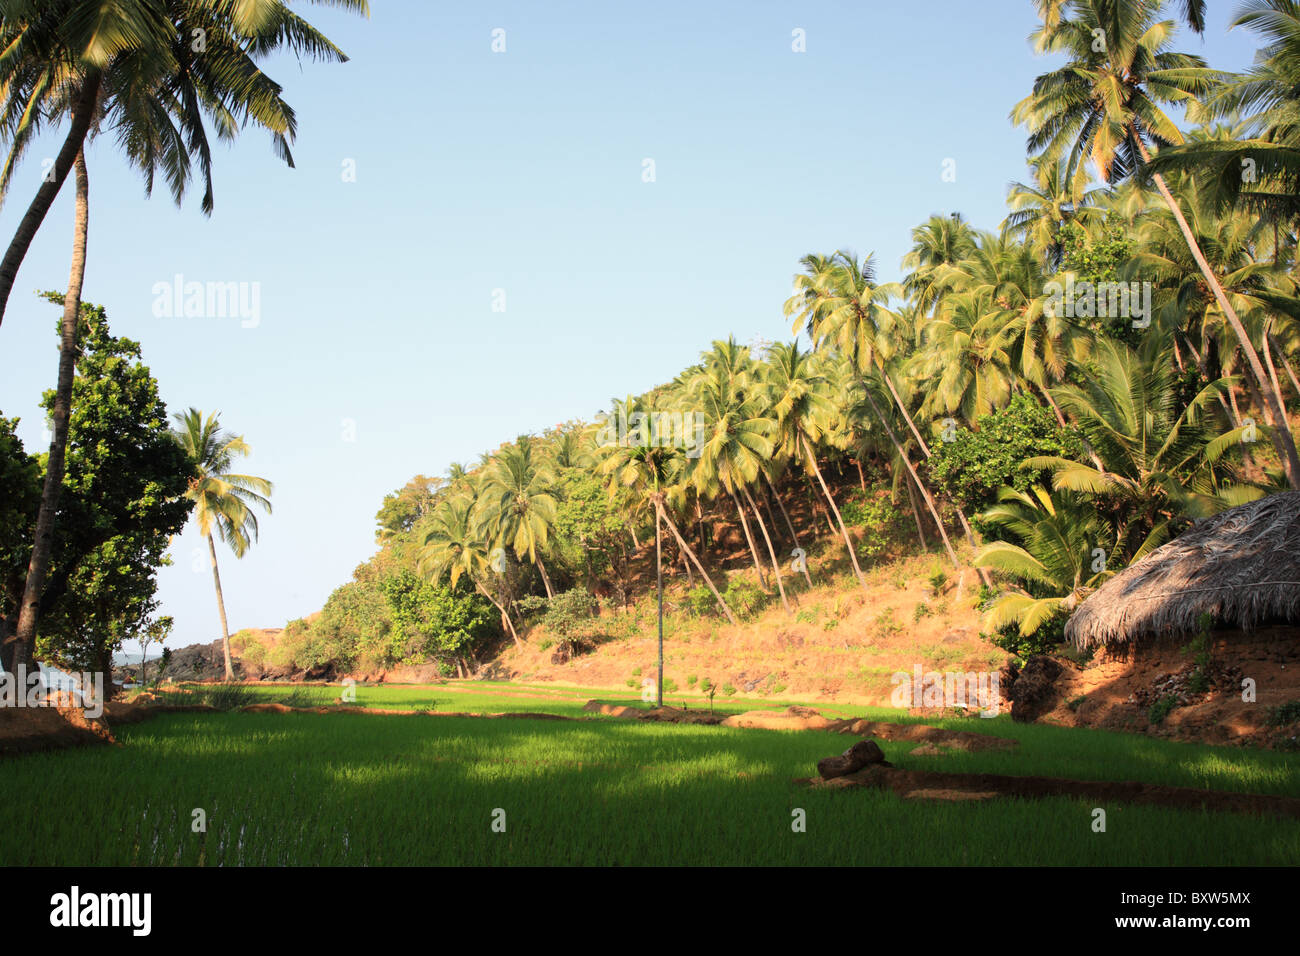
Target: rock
1034,691
861,754
612,710
793,718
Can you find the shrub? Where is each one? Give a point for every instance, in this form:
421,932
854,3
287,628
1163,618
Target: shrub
745,597
975,463
1284,714
1162,708
878,517
729,689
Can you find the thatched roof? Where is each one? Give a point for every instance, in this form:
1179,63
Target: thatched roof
1241,566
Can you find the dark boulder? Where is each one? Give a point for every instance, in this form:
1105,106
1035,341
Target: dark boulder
1034,691
861,754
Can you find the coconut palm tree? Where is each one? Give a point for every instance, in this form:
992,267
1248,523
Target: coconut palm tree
224,501
516,505
653,471
1041,209
454,546
151,70
847,313
798,396
738,443
1057,559
1104,105
46,82
1163,459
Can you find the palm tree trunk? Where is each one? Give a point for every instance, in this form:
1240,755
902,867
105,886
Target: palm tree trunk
771,552
1290,372
221,609
546,580
1274,410
632,531
505,618
925,449
916,513
43,546
925,494
794,535
848,542
83,116
663,516
753,551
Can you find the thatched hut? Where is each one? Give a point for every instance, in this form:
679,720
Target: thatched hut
1241,567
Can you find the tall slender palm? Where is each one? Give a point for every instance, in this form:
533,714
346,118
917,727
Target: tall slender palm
1041,209
516,504
139,89
738,442
454,546
847,312
24,637
151,70
797,393
652,472
224,501
1104,105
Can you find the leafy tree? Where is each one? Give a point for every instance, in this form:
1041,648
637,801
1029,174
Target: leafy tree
123,500
973,465
435,621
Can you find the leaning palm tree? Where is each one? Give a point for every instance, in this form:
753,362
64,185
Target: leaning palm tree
847,313
224,501
797,393
150,70
738,442
140,91
1105,105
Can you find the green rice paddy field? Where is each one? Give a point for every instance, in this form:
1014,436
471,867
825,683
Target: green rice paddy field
305,789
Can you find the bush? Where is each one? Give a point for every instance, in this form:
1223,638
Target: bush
700,600
975,464
1046,640
1162,708
1284,714
745,598
880,520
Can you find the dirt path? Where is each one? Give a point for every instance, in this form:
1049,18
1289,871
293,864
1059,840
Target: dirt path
925,784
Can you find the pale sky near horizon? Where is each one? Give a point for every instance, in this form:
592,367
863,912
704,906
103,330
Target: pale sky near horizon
377,355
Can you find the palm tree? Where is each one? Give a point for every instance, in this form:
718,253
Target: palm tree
52,486
516,505
739,440
45,83
135,66
223,500
1059,535
799,400
1104,105
846,311
453,545
1159,454
1041,209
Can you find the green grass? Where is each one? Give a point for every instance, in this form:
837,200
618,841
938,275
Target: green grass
303,789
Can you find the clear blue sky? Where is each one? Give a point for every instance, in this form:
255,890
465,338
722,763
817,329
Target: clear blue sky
519,171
